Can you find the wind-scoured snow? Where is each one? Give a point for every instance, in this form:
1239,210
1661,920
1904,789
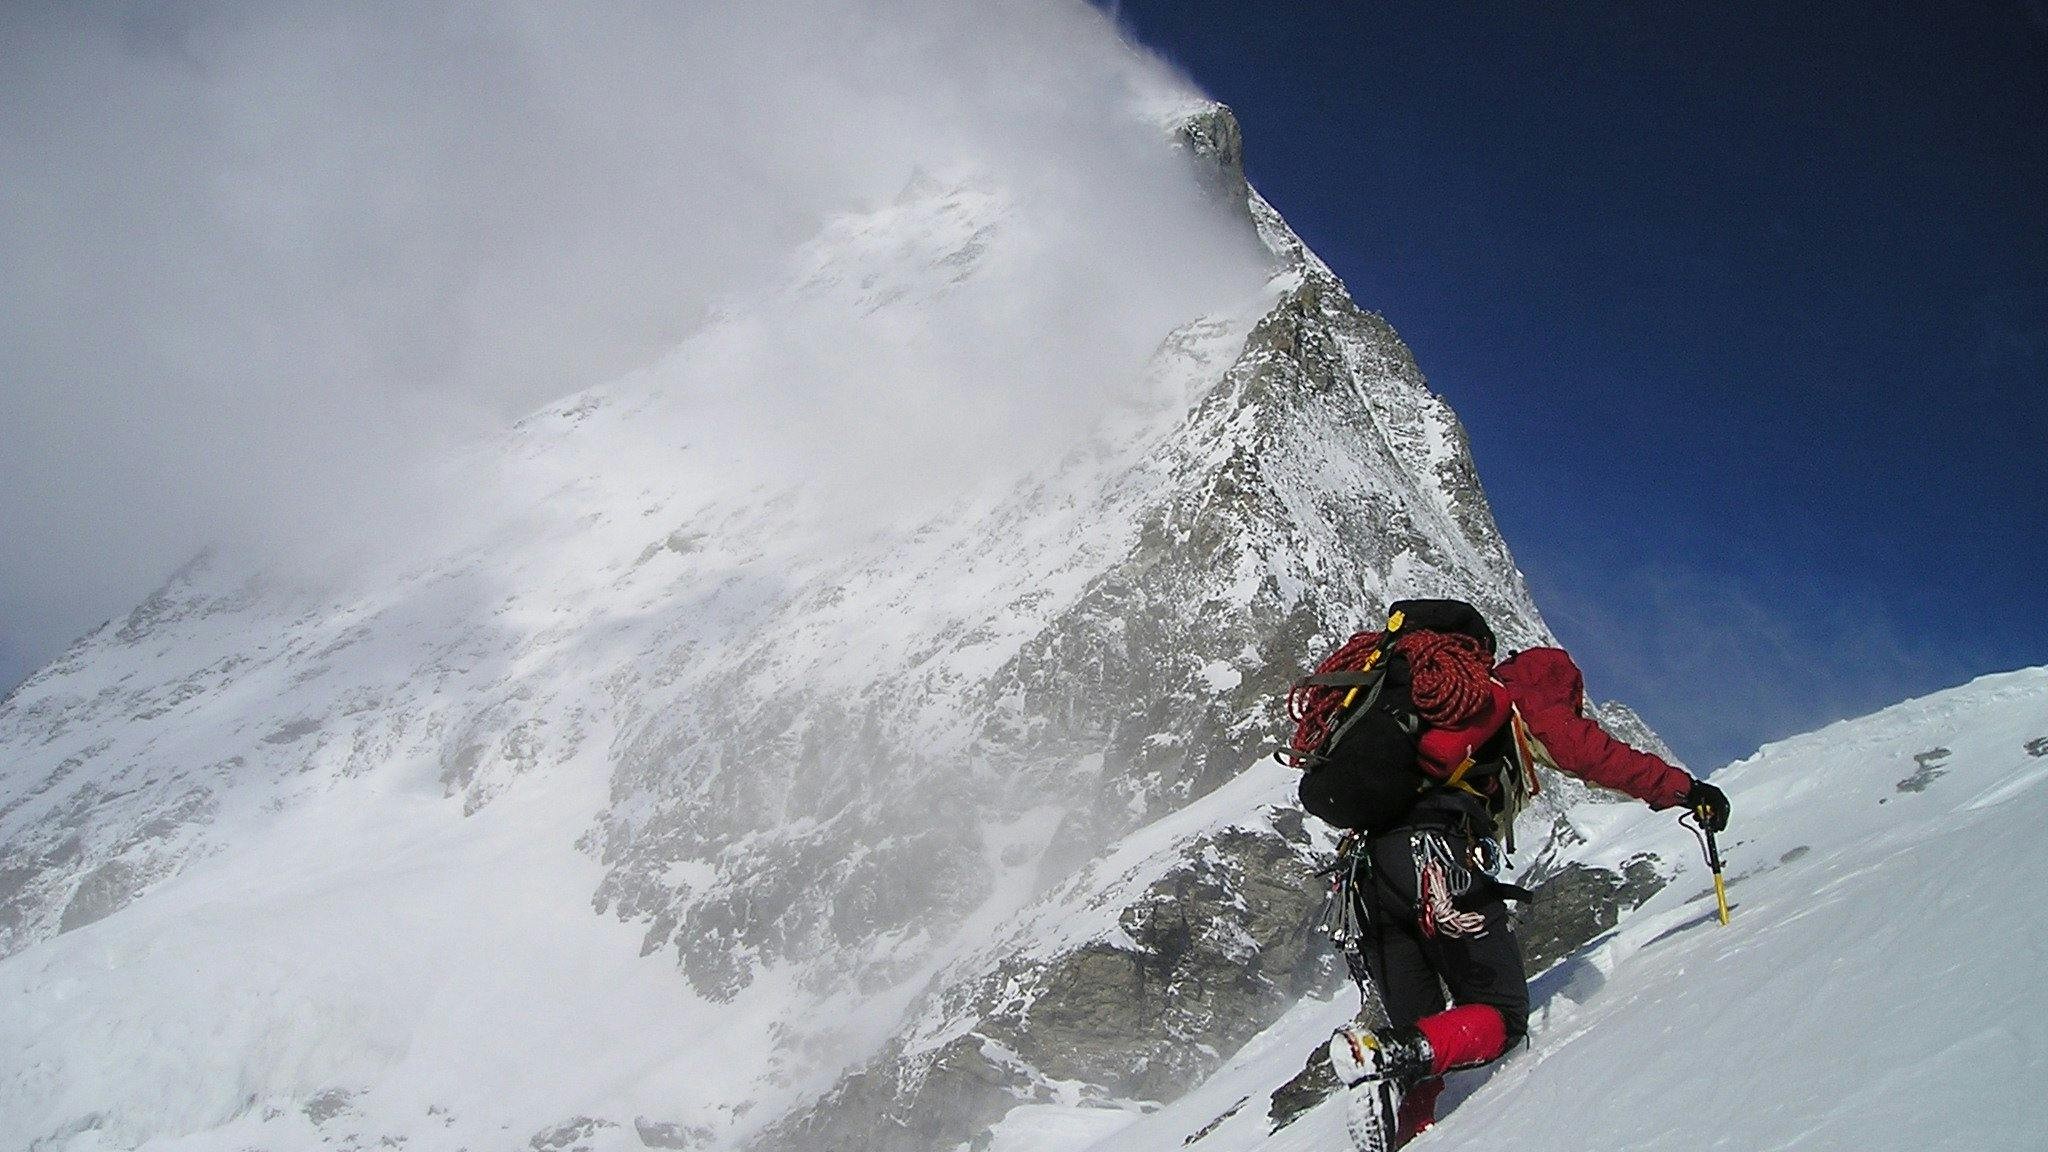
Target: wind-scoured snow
1879,985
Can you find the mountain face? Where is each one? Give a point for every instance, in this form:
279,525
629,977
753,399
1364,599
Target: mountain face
655,811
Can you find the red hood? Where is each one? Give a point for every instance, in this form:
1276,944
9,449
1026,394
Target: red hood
1542,679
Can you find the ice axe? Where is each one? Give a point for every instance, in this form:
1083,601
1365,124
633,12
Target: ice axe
1696,820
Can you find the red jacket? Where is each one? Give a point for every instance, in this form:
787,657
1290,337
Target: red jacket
1443,749
1551,692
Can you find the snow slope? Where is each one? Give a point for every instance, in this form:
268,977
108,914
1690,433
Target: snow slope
1879,986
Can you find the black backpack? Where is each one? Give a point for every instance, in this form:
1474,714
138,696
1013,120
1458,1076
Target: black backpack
1357,740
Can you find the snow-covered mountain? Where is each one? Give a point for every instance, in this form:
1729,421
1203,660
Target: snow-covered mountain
1877,986
665,805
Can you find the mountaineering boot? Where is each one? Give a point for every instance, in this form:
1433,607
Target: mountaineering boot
1400,1055
1372,1115
1378,1068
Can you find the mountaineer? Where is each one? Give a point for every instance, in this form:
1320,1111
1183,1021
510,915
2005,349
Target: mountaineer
1424,752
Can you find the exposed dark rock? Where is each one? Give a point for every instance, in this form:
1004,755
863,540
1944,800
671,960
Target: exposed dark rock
662,1134
324,1106
1224,945
1579,902
1310,1087
104,891
1929,767
572,1135
292,731
1221,946
1212,1125
951,1096
1214,136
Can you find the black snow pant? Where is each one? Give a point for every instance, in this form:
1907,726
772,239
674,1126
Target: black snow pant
1460,942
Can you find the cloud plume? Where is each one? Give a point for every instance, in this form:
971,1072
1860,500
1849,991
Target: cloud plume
267,261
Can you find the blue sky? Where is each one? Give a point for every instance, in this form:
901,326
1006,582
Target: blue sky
1745,307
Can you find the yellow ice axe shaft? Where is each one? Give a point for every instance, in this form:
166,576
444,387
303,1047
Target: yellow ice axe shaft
1713,862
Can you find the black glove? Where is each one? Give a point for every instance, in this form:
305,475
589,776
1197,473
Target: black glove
1709,804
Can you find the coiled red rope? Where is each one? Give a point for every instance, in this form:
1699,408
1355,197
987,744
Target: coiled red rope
1448,674
1312,707
1447,683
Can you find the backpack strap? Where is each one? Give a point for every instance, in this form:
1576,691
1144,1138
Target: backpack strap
1379,654
1409,723
1371,675
1340,679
